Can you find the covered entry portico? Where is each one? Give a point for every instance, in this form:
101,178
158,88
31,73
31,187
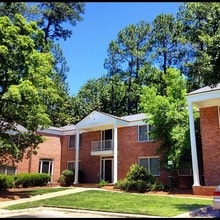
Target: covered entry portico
107,147
203,98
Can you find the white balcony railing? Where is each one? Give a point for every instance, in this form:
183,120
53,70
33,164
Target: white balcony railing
105,145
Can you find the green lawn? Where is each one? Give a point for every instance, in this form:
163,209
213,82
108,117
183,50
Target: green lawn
132,203
36,192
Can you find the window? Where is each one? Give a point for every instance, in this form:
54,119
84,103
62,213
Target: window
46,166
71,165
187,171
8,170
143,132
152,164
72,141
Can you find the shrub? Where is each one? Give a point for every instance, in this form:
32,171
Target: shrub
6,181
31,179
67,177
157,186
140,173
121,184
102,183
136,186
138,179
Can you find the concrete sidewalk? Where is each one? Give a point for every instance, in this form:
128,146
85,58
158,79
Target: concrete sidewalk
207,212
43,196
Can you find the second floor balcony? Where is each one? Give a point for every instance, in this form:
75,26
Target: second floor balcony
104,147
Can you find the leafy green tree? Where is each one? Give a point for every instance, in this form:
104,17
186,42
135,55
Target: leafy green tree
201,34
51,17
26,87
91,96
169,116
54,14
9,9
166,49
126,56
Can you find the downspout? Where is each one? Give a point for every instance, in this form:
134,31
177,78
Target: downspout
196,181
115,179
29,163
76,181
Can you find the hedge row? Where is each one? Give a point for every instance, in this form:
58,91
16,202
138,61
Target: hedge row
23,180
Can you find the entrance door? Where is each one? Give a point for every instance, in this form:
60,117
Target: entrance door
107,170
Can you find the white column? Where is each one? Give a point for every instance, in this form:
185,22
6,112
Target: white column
77,157
115,179
196,181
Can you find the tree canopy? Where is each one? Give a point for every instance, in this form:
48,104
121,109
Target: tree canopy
169,117
26,74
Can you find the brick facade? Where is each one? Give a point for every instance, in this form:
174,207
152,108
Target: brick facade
50,149
130,150
210,132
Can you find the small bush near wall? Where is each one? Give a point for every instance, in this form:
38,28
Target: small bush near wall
67,177
6,181
31,179
139,180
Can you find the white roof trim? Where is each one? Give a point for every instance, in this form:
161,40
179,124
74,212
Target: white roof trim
99,119
205,97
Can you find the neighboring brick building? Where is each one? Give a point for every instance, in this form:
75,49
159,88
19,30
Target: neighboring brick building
207,101
102,146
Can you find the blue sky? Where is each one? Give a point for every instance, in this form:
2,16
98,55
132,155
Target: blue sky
86,50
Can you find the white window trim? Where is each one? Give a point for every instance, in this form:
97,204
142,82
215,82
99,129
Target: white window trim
68,146
80,140
50,162
6,170
148,137
71,161
148,161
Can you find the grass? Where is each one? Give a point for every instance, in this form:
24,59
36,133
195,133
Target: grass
154,205
36,192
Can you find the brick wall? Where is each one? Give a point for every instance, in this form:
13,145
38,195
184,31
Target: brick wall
129,150
49,149
210,133
90,165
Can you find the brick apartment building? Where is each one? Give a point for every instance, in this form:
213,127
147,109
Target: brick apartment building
104,147
101,145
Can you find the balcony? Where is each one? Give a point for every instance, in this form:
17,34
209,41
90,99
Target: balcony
104,147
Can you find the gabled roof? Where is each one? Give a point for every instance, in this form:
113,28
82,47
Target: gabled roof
65,130
205,97
99,120
135,117
205,90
